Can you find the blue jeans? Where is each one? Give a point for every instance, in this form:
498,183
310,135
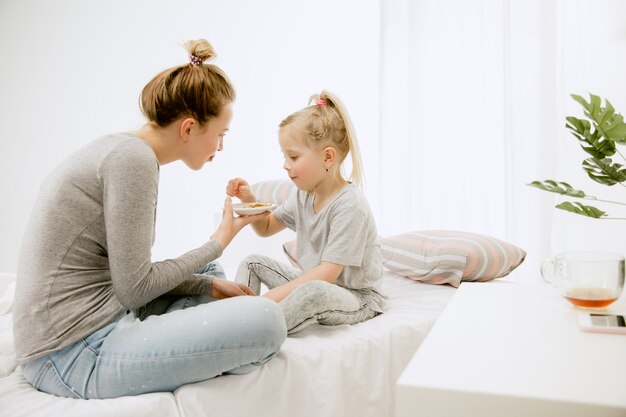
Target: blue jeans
193,340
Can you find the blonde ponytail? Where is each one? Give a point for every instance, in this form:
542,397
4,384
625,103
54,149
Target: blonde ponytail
356,176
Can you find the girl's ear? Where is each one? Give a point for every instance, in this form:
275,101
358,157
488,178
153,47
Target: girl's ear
330,154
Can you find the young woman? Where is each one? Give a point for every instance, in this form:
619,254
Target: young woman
337,241
94,316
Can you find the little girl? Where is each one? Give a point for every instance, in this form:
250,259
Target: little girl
337,242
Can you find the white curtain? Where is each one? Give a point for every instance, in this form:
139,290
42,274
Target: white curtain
592,59
472,109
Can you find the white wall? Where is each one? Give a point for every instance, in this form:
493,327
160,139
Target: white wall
73,70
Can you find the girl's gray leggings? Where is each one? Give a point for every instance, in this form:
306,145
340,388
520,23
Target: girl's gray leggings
312,302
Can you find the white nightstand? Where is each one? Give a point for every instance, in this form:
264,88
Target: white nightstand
510,349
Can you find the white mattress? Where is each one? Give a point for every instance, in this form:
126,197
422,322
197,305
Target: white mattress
321,371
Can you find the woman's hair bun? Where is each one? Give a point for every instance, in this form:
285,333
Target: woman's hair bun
201,49
195,90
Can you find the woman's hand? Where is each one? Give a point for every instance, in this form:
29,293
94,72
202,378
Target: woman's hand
231,225
223,288
239,188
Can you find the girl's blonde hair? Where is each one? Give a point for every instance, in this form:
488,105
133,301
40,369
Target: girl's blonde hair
195,89
326,123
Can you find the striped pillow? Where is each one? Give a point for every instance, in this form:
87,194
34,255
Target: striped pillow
449,257
277,191
291,250
273,191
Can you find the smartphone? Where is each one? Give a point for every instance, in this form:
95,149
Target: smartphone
602,323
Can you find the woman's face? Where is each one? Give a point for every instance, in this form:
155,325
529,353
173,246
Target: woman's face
205,141
305,166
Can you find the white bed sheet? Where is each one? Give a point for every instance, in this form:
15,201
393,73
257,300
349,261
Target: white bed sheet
19,399
330,371
321,371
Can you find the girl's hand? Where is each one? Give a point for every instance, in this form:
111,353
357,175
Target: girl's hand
231,225
225,289
279,293
239,188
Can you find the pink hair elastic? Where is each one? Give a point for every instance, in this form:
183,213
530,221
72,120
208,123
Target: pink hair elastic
194,60
321,102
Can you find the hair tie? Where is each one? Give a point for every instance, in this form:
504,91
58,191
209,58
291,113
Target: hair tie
194,60
321,102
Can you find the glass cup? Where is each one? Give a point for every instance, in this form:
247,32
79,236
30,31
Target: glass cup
586,279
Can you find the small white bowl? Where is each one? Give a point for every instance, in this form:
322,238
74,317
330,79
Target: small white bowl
248,209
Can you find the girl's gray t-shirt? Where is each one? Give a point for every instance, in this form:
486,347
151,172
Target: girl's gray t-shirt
85,257
343,232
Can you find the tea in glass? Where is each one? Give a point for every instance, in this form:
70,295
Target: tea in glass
586,279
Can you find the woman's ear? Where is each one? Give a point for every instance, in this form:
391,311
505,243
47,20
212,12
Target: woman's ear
185,128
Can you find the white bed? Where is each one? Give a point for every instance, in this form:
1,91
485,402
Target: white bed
321,371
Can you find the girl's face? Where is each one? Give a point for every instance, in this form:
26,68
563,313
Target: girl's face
305,166
205,141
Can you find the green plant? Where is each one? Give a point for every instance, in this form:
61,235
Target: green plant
599,136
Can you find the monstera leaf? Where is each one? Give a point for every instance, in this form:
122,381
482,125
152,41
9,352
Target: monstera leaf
598,136
609,124
592,142
581,209
560,188
604,171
